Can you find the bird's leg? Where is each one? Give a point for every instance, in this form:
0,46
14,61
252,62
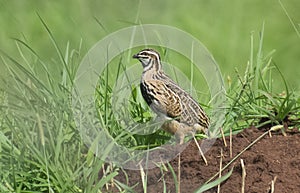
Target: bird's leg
174,127
177,129
184,130
199,128
171,126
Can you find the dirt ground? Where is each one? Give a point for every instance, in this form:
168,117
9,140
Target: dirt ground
271,157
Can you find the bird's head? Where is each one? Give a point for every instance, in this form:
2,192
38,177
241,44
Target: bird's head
149,58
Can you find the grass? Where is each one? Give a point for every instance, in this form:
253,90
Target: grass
252,99
42,151
223,27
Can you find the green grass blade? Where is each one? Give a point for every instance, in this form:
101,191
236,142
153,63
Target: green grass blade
174,177
214,183
59,52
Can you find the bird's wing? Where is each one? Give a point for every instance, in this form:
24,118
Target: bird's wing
165,100
191,111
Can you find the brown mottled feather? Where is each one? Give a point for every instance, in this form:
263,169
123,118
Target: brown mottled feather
174,102
165,101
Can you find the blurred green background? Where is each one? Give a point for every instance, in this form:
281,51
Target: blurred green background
224,27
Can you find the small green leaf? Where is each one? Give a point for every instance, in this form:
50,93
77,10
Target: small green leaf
214,183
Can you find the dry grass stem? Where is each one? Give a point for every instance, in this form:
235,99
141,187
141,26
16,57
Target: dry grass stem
202,154
104,175
143,175
277,128
243,175
220,169
273,184
230,143
112,179
270,133
223,137
179,172
239,154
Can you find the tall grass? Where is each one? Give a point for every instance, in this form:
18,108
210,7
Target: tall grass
252,100
42,151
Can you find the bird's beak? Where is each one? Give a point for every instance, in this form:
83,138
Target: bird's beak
135,56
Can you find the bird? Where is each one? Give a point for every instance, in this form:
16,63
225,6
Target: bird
181,113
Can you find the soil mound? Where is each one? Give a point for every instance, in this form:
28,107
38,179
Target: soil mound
276,157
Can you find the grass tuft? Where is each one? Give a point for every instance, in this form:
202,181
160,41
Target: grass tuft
252,100
41,149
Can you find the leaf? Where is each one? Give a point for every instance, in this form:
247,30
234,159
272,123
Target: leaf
214,183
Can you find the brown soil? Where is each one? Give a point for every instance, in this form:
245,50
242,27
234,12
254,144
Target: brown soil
271,157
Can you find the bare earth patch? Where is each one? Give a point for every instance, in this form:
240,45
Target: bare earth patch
271,157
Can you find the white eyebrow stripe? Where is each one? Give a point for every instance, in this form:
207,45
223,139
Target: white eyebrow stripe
152,52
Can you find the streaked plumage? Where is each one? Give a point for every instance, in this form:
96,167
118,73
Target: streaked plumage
168,100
